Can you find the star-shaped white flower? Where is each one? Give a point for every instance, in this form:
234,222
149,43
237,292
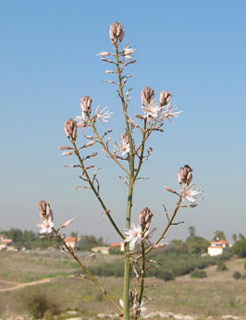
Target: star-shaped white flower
133,235
139,309
169,114
152,111
188,192
81,120
124,147
127,52
46,225
103,115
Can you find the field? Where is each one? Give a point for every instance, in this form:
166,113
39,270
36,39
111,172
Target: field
54,277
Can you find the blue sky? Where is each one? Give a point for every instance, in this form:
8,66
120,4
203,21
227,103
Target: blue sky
194,49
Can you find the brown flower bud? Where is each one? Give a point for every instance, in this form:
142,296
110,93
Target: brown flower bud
116,33
70,128
147,95
44,209
86,104
185,174
145,217
165,96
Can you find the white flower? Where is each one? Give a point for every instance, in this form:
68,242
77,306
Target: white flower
127,52
133,235
188,192
124,147
169,114
152,111
81,120
103,115
46,225
139,309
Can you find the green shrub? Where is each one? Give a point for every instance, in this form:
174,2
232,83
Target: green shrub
165,275
239,248
198,274
38,305
221,266
236,275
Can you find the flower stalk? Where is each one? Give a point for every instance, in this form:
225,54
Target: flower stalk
132,151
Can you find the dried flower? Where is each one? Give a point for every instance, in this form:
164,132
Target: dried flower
103,115
46,225
152,111
147,95
185,174
133,235
44,209
103,54
64,148
89,144
67,223
188,192
169,189
70,128
165,96
67,153
85,104
145,217
116,33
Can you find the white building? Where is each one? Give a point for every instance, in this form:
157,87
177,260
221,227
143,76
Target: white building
218,247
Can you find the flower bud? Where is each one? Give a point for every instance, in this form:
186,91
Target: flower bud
70,128
145,217
165,96
185,175
116,33
147,95
86,104
44,209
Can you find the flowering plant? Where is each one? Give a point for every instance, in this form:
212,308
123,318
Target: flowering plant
129,155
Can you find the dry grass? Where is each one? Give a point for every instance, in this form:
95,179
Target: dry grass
217,295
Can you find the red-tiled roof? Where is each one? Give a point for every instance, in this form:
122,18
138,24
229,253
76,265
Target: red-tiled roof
114,245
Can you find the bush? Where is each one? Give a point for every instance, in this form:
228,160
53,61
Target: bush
221,266
39,305
198,274
239,248
236,275
165,275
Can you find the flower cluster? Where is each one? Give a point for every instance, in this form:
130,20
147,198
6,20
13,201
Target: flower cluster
124,147
153,112
46,217
134,305
139,233
85,104
187,189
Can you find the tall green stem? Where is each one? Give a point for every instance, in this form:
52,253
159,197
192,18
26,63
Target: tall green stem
130,189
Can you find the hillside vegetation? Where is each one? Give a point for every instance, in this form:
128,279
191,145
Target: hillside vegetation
216,295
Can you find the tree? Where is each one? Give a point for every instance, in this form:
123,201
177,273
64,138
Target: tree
197,245
241,236
192,231
219,235
234,237
239,248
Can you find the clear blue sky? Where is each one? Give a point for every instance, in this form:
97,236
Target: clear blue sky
194,49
